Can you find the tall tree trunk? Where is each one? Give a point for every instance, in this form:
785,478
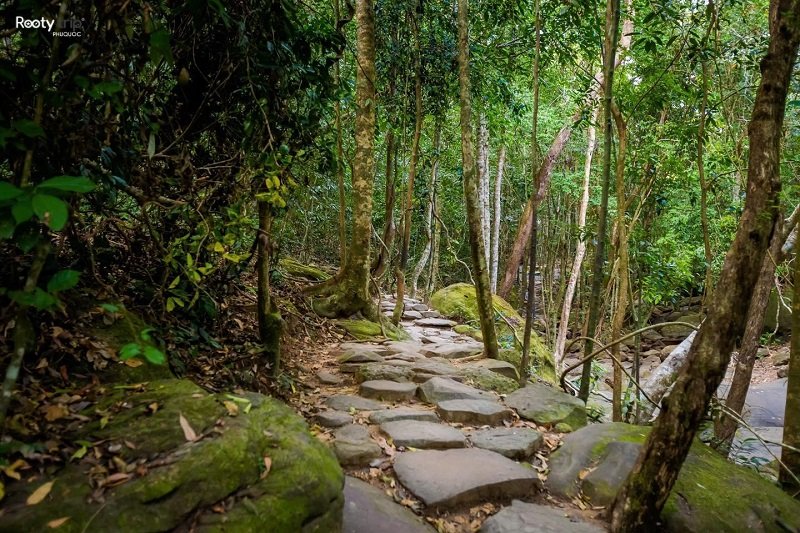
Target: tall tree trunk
400,272
530,314
481,275
340,157
494,256
348,292
622,261
639,502
580,248
269,318
701,171
382,259
430,221
790,457
483,182
610,47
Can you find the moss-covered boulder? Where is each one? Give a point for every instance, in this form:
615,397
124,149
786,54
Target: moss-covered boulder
254,466
711,494
299,270
485,379
459,301
548,406
363,330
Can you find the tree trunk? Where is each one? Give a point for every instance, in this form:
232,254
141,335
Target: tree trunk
400,272
340,158
269,318
790,469
665,375
580,249
622,261
348,293
482,289
430,221
639,502
381,262
610,47
483,182
498,210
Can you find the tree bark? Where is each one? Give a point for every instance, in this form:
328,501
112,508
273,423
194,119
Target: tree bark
498,210
639,502
481,275
340,157
790,458
430,221
665,375
348,293
269,318
483,182
381,262
610,47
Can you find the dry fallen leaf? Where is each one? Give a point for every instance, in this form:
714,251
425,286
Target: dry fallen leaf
58,522
54,412
188,432
134,363
116,479
267,467
232,408
40,494
11,470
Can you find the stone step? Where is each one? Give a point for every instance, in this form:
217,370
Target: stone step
345,402
435,323
522,517
403,413
354,447
429,435
548,406
477,412
514,443
439,389
333,419
451,478
367,510
383,389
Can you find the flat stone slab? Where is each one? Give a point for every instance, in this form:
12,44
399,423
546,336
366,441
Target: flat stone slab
444,479
439,389
328,378
419,307
448,350
438,367
382,389
435,323
416,434
360,353
523,517
367,510
353,446
504,368
333,419
397,371
344,402
514,443
412,315
548,406
403,413
393,347
473,411
431,314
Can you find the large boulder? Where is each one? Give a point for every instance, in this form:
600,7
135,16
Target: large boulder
711,494
459,301
261,466
548,406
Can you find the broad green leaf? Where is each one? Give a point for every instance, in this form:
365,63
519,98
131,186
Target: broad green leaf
7,227
28,128
129,350
159,47
63,280
68,183
8,191
51,209
170,304
154,355
37,298
22,211
110,308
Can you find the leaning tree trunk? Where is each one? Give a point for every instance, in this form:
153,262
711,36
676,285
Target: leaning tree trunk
639,502
610,47
494,256
348,292
400,272
790,456
580,249
430,221
484,295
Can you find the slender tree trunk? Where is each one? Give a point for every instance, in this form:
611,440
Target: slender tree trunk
340,158
481,275
430,221
348,293
433,273
622,261
483,182
639,502
382,259
704,185
610,47
790,469
580,249
498,210
269,318
530,314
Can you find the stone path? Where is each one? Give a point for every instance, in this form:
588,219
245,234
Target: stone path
427,412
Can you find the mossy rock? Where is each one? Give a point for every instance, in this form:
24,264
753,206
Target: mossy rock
299,270
301,492
485,379
459,301
710,494
363,330
469,331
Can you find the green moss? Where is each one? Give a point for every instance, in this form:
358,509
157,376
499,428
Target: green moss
298,269
459,301
363,329
485,379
